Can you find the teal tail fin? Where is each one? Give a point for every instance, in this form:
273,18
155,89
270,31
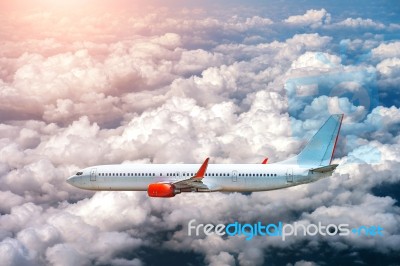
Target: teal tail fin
320,149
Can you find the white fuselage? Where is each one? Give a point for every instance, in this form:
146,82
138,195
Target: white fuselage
218,177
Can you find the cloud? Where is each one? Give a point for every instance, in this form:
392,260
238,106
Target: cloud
176,86
387,50
316,60
360,23
312,17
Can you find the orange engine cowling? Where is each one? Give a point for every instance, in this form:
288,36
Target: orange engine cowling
161,190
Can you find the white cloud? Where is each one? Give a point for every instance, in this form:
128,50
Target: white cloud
222,258
312,17
360,23
316,60
387,50
389,69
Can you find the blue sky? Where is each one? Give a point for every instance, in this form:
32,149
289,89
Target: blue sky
83,84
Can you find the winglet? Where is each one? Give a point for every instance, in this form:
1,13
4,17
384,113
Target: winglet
265,161
202,170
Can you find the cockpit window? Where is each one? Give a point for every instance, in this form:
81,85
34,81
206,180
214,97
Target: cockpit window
79,173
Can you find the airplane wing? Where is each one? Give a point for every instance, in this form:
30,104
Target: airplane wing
195,182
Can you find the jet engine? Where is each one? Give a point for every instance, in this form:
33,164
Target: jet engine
162,190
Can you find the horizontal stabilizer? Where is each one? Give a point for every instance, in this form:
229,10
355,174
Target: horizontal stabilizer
325,169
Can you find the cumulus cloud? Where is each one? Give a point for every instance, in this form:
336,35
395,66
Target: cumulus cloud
312,17
387,50
316,60
360,23
176,86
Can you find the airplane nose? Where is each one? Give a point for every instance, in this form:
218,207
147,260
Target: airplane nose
71,180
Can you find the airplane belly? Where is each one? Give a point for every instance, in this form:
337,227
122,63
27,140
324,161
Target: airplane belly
257,184
124,183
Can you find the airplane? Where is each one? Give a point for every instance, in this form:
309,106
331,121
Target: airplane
167,180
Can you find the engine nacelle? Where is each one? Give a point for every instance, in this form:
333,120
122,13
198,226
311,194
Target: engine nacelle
162,190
